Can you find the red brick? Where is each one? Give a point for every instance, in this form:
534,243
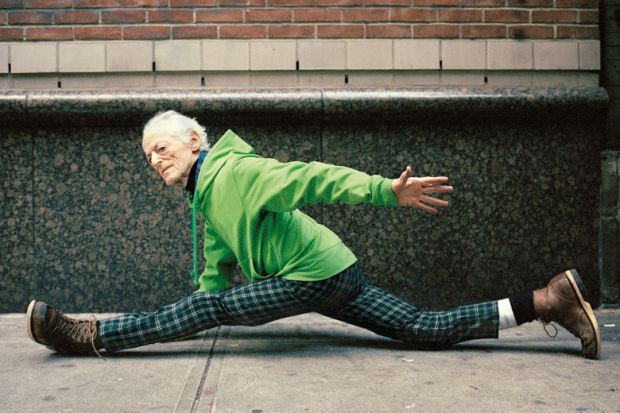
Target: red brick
588,17
250,3
578,32
146,32
290,3
2,18
277,15
219,16
443,31
96,3
30,17
193,3
316,15
143,3
507,16
243,32
554,16
413,15
530,3
76,16
11,33
577,4
388,31
12,4
48,4
339,2
459,15
291,32
194,32
433,3
49,33
530,32
483,3
98,33
171,16
483,31
365,15
388,2
340,31
123,16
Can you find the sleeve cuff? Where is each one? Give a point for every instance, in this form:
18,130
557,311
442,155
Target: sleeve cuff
387,194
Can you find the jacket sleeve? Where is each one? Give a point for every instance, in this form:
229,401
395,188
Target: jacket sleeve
220,263
279,187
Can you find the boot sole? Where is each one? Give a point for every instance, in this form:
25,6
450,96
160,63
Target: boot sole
29,320
578,287
29,312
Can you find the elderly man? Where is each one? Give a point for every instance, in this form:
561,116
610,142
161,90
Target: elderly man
294,264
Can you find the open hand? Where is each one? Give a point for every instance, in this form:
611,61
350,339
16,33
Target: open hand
412,191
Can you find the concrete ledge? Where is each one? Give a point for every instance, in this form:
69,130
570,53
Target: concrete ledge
313,106
315,54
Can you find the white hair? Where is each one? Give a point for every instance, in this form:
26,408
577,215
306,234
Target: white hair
172,124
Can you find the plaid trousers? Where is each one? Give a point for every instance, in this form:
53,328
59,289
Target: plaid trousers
346,297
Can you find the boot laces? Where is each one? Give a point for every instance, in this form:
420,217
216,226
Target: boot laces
548,323
80,331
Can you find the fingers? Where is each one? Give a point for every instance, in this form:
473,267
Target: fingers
425,208
430,181
434,201
424,185
437,189
404,177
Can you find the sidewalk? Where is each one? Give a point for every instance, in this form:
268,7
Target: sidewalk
311,363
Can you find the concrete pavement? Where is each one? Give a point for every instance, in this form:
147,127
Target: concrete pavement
310,363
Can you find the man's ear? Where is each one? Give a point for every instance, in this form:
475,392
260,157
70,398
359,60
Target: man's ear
195,142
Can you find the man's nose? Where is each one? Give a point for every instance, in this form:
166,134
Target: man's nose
155,159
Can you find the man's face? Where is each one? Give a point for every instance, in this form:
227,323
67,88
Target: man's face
172,157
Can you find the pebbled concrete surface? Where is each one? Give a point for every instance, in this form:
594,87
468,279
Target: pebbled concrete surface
310,363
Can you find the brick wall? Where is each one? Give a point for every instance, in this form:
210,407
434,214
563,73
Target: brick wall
62,20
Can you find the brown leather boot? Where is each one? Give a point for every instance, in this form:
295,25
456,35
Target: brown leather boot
565,301
50,327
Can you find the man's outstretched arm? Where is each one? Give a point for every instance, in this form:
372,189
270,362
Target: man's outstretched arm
268,184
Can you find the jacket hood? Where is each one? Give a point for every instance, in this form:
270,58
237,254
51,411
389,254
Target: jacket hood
228,144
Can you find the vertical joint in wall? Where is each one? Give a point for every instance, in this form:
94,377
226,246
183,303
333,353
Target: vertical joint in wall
609,235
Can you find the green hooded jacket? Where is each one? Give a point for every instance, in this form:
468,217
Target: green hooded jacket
250,209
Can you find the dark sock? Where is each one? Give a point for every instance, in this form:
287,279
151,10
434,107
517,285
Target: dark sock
523,307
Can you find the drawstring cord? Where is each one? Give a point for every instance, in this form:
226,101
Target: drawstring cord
194,272
201,158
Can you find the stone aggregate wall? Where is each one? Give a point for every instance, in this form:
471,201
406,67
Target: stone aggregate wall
609,246
88,226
